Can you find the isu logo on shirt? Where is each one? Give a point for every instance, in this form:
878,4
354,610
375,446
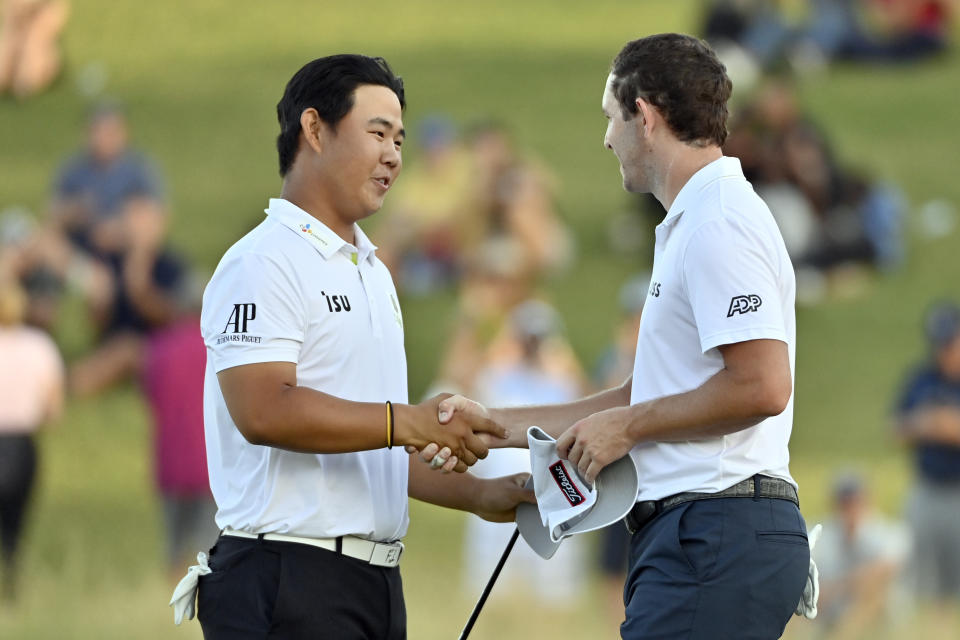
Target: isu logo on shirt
744,304
336,304
570,491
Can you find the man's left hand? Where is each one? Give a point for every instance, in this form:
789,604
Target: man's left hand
498,500
596,441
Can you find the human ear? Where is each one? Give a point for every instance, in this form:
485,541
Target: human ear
646,116
311,126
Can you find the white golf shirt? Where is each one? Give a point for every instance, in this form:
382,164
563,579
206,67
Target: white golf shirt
721,275
291,290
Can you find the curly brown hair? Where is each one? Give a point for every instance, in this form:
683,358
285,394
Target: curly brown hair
683,78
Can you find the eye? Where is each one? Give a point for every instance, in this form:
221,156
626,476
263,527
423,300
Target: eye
398,143
379,134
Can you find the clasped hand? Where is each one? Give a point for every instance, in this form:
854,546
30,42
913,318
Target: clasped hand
452,440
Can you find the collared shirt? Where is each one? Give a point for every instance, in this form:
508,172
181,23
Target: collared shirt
291,290
721,275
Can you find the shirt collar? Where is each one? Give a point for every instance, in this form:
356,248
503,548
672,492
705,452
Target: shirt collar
319,235
723,167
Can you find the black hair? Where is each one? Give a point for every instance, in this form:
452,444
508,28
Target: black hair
327,85
682,77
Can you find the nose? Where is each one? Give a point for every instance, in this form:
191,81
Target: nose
391,157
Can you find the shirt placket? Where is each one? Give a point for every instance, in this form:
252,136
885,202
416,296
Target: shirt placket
366,281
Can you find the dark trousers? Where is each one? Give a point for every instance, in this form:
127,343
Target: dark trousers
18,468
717,569
282,590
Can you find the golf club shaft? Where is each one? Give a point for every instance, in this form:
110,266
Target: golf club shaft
489,587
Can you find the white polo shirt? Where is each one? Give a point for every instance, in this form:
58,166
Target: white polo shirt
721,275
291,290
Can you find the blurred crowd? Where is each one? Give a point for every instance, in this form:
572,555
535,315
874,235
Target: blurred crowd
102,245
767,35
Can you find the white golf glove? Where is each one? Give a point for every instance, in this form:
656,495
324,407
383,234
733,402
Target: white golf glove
184,599
807,607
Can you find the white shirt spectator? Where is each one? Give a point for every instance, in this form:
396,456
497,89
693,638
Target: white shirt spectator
721,275
291,290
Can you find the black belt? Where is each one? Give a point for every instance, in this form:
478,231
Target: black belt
756,487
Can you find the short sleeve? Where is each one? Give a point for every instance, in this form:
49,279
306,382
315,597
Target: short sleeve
733,284
252,312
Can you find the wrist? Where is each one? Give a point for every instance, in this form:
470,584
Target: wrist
404,419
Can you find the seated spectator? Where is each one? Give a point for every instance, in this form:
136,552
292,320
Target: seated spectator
831,218
147,280
31,395
860,555
512,198
419,239
858,30
102,182
30,58
928,421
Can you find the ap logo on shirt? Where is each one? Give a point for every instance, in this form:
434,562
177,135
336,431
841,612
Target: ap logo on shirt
744,304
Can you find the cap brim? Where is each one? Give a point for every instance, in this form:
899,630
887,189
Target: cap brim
617,486
532,530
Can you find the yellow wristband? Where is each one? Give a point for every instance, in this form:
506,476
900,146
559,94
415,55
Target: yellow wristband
389,425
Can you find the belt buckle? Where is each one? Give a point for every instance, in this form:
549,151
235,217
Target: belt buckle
386,555
641,513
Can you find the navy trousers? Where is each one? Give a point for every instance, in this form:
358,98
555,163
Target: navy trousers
283,590
716,569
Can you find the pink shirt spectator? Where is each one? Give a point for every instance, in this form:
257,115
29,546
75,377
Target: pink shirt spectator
174,364
31,379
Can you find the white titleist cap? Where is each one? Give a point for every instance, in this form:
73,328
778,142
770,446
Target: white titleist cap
566,504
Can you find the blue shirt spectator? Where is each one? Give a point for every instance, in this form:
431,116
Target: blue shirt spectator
928,388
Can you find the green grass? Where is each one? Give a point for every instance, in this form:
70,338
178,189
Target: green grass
201,80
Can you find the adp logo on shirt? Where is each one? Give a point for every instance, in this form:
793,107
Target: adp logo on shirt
744,304
569,489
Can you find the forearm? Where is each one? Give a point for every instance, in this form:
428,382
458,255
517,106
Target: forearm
723,404
557,418
451,490
933,424
309,421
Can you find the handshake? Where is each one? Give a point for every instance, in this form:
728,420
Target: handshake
450,432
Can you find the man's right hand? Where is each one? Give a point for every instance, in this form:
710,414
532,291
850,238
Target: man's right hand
417,427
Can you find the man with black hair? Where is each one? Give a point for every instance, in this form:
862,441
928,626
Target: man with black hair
719,549
306,389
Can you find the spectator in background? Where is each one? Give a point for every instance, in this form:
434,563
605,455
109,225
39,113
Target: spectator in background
528,364
31,394
102,182
928,420
860,556
171,372
834,221
512,199
147,279
419,239
460,199
858,30
30,57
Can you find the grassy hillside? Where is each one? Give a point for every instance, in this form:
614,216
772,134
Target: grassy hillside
201,80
